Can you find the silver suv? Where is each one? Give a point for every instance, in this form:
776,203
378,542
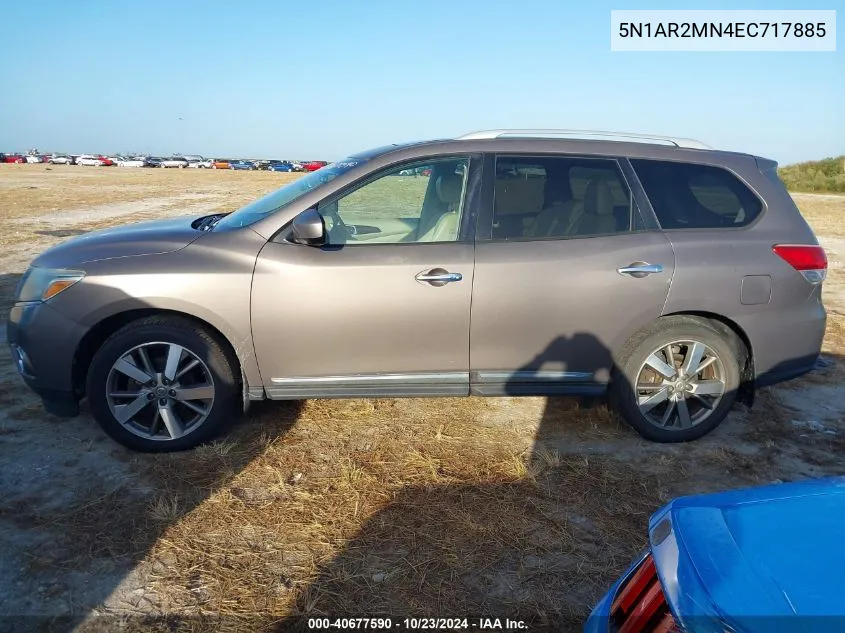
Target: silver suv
673,278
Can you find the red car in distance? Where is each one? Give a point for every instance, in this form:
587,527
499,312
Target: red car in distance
314,165
13,158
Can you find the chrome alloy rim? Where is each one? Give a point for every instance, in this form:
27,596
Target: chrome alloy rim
160,391
680,385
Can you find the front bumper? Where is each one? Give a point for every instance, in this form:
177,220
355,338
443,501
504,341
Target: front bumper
43,343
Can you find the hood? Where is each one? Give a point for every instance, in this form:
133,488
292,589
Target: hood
769,551
143,238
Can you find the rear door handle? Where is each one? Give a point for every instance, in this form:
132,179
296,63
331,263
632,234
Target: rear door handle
640,269
438,277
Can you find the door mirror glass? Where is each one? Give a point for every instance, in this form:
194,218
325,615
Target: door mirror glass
308,228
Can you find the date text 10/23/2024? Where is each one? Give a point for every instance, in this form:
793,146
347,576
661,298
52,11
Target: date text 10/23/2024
418,624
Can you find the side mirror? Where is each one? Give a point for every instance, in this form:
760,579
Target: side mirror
309,228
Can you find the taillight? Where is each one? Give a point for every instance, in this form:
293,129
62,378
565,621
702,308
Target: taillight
810,261
640,606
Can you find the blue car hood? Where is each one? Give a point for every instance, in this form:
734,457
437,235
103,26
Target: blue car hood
775,551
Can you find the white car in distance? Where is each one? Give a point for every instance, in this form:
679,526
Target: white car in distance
137,161
88,160
174,161
60,159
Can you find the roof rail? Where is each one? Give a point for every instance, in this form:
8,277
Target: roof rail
585,134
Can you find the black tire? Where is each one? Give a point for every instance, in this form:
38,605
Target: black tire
726,346
204,345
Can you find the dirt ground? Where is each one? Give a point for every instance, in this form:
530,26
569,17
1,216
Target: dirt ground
434,507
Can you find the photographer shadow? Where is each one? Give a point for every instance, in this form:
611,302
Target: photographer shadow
512,547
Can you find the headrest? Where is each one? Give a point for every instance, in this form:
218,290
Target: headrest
449,187
598,199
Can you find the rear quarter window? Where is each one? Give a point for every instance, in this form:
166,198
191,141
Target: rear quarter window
690,196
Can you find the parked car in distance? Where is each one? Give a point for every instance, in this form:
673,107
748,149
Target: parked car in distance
691,280
174,161
221,163
297,166
90,160
242,164
60,159
279,165
418,171
137,161
14,158
153,161
314,165
33,159
204,163
716,563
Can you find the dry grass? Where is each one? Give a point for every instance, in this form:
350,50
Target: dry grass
525,508
824,213
26,191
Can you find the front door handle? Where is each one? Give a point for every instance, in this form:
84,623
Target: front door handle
438,277
640,269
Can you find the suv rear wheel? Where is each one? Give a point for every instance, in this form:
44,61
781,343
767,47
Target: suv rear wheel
162,384
678,380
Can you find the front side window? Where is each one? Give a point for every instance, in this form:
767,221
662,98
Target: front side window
274,201
559,197
690,196
415,203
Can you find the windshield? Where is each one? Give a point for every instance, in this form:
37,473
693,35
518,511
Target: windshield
272,202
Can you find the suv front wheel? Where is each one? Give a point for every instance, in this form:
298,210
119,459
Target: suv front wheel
162,384
678,380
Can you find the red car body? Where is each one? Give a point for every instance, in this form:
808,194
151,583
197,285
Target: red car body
314,165
107,162
14,158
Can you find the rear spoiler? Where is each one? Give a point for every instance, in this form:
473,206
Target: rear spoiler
765,164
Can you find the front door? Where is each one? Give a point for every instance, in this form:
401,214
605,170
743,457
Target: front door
383,308
565,272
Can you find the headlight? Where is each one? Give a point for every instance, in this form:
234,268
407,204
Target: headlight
41,284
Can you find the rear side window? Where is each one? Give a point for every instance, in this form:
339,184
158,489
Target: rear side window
689,196
560,197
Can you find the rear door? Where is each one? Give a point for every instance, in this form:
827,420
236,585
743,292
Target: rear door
566,270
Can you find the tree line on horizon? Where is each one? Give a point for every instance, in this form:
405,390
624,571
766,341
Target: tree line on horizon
826,175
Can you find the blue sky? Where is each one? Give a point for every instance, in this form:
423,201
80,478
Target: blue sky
325,79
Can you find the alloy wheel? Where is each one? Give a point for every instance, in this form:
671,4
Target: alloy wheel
680,385
160,391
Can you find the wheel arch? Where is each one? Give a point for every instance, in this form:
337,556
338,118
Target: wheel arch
731,329
99,333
